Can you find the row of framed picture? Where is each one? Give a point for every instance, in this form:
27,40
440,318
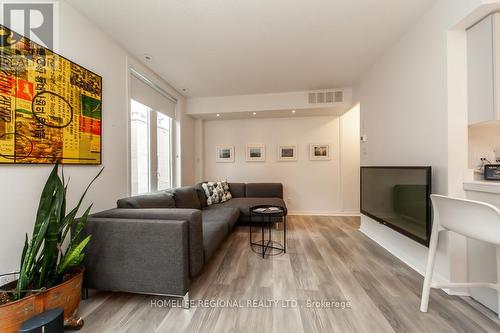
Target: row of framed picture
257,152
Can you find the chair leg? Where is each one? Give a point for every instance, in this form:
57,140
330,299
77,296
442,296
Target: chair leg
498,278
186,304
426,289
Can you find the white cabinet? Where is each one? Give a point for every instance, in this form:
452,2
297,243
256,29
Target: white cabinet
483,70
481,256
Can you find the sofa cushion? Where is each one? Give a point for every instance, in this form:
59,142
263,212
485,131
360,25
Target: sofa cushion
228,215
237,190
214,233
152,200
264,190
244,204
186,197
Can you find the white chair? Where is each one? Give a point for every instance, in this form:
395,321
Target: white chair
474,219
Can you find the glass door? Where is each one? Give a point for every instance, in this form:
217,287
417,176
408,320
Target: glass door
151,149
140,155
164,151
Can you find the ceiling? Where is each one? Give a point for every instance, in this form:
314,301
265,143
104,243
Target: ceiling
233,47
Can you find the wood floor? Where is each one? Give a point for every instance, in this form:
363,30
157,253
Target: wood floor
328,258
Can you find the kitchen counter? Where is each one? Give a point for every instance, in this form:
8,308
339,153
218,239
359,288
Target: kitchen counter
483,186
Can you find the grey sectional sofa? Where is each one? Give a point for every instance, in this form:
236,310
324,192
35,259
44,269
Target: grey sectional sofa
157,243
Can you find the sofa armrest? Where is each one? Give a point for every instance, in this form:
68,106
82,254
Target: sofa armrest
192,216
137,255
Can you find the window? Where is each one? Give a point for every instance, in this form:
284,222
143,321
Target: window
151,139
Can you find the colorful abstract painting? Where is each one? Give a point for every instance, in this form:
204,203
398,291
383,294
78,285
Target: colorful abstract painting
50,107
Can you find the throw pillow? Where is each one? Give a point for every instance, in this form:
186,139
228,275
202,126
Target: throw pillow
226,193
211,192
216,192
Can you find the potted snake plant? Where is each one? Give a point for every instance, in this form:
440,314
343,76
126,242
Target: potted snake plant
50,274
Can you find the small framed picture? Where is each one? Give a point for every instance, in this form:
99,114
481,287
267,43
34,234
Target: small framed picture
256,152
225,154
319,152
287,153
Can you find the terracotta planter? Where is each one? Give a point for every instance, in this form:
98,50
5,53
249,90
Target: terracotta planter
67,295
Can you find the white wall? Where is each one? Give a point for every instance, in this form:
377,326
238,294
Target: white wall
199,153
404,112
186,156
311,187
83,43
350,159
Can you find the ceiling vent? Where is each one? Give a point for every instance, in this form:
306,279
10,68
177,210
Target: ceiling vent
326,97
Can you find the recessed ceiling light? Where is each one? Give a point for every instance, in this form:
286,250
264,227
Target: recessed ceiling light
218,114
293,111
255,113
148,57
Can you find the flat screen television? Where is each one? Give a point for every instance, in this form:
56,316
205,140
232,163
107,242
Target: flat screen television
399,197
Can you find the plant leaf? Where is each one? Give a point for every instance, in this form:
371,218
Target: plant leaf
26,273
25,249
88,187
73,257
46,199
44,267
50,252
69,219
80,225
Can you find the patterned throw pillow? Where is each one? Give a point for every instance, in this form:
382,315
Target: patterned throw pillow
211,193
216,192
225,188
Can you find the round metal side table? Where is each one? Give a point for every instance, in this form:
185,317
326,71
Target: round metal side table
266,216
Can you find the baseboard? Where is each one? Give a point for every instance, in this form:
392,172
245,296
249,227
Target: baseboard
324,213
